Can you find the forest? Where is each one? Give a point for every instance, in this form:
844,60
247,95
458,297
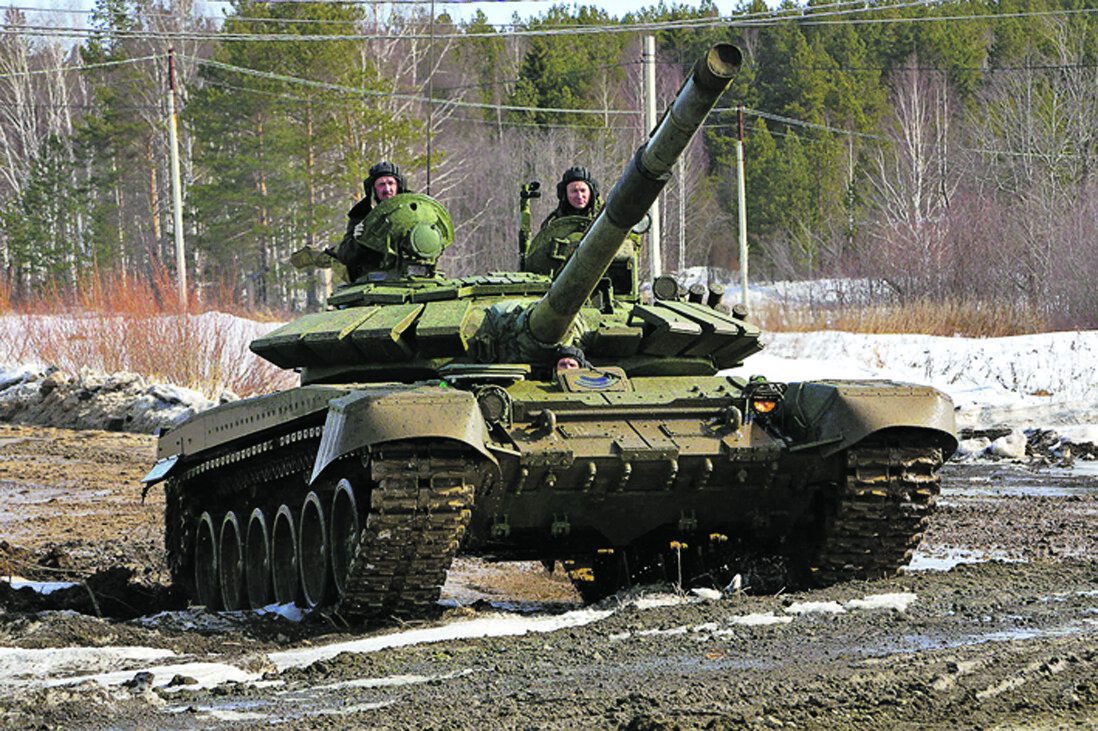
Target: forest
941,152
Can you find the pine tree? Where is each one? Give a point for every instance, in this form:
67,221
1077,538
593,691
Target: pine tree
284,146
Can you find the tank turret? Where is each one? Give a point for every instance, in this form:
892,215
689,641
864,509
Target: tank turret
399,321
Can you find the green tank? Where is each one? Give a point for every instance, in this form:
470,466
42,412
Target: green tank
430,420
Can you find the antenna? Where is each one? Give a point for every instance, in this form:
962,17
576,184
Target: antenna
430,93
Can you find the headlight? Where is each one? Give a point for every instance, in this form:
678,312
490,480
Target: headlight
763,405
763,397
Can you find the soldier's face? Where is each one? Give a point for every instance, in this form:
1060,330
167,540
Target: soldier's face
578,194
385,187
567,364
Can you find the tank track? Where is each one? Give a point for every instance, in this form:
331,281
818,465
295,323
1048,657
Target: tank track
419,511
878,518
414,502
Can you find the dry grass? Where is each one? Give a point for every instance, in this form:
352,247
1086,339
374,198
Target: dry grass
197,351
950,318
112,324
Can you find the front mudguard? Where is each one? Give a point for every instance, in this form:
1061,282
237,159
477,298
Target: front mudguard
835,415
362,419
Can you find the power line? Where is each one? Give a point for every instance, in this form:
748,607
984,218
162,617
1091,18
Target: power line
754,19
758,20
362,92
829,14
84,67
224,37
811,20
392,95
89,11
794,123
759,69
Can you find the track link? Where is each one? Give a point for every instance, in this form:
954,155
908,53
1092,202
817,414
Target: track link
419,511
881,512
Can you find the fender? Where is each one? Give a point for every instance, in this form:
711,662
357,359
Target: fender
362,419
835,415
205,433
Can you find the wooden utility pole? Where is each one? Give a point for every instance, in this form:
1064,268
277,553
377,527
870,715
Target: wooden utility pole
177,188
743,211
649,58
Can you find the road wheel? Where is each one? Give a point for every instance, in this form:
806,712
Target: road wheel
257,561
206,584
313,552
284,568
230,565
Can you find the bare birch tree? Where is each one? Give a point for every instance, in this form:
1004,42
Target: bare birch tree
911,185
1038,150
40,89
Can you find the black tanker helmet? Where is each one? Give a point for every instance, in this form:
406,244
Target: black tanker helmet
571,175
381,170
570,351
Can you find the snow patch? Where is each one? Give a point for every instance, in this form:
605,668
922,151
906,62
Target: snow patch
1048,378
656,601
22,668
897,602
206,675
42,587
489,626
815,608
1011,446
760,620
396,681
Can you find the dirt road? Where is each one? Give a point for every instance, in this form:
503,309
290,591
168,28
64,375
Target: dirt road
1002,644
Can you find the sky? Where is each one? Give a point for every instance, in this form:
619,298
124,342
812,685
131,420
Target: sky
74,13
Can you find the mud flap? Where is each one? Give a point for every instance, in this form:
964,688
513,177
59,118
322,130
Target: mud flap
159,471
362,419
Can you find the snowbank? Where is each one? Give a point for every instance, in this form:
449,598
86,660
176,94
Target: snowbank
1024,381
89,400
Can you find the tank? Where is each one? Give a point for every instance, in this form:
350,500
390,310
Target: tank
430,420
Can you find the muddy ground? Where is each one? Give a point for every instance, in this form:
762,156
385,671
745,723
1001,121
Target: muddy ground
1004,644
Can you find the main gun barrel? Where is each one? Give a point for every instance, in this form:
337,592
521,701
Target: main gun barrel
634,194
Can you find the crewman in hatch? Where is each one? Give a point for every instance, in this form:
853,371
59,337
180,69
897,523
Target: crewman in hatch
383,182
577,195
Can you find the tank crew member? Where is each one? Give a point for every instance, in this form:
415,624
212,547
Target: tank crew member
567,358
578,195
383,182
